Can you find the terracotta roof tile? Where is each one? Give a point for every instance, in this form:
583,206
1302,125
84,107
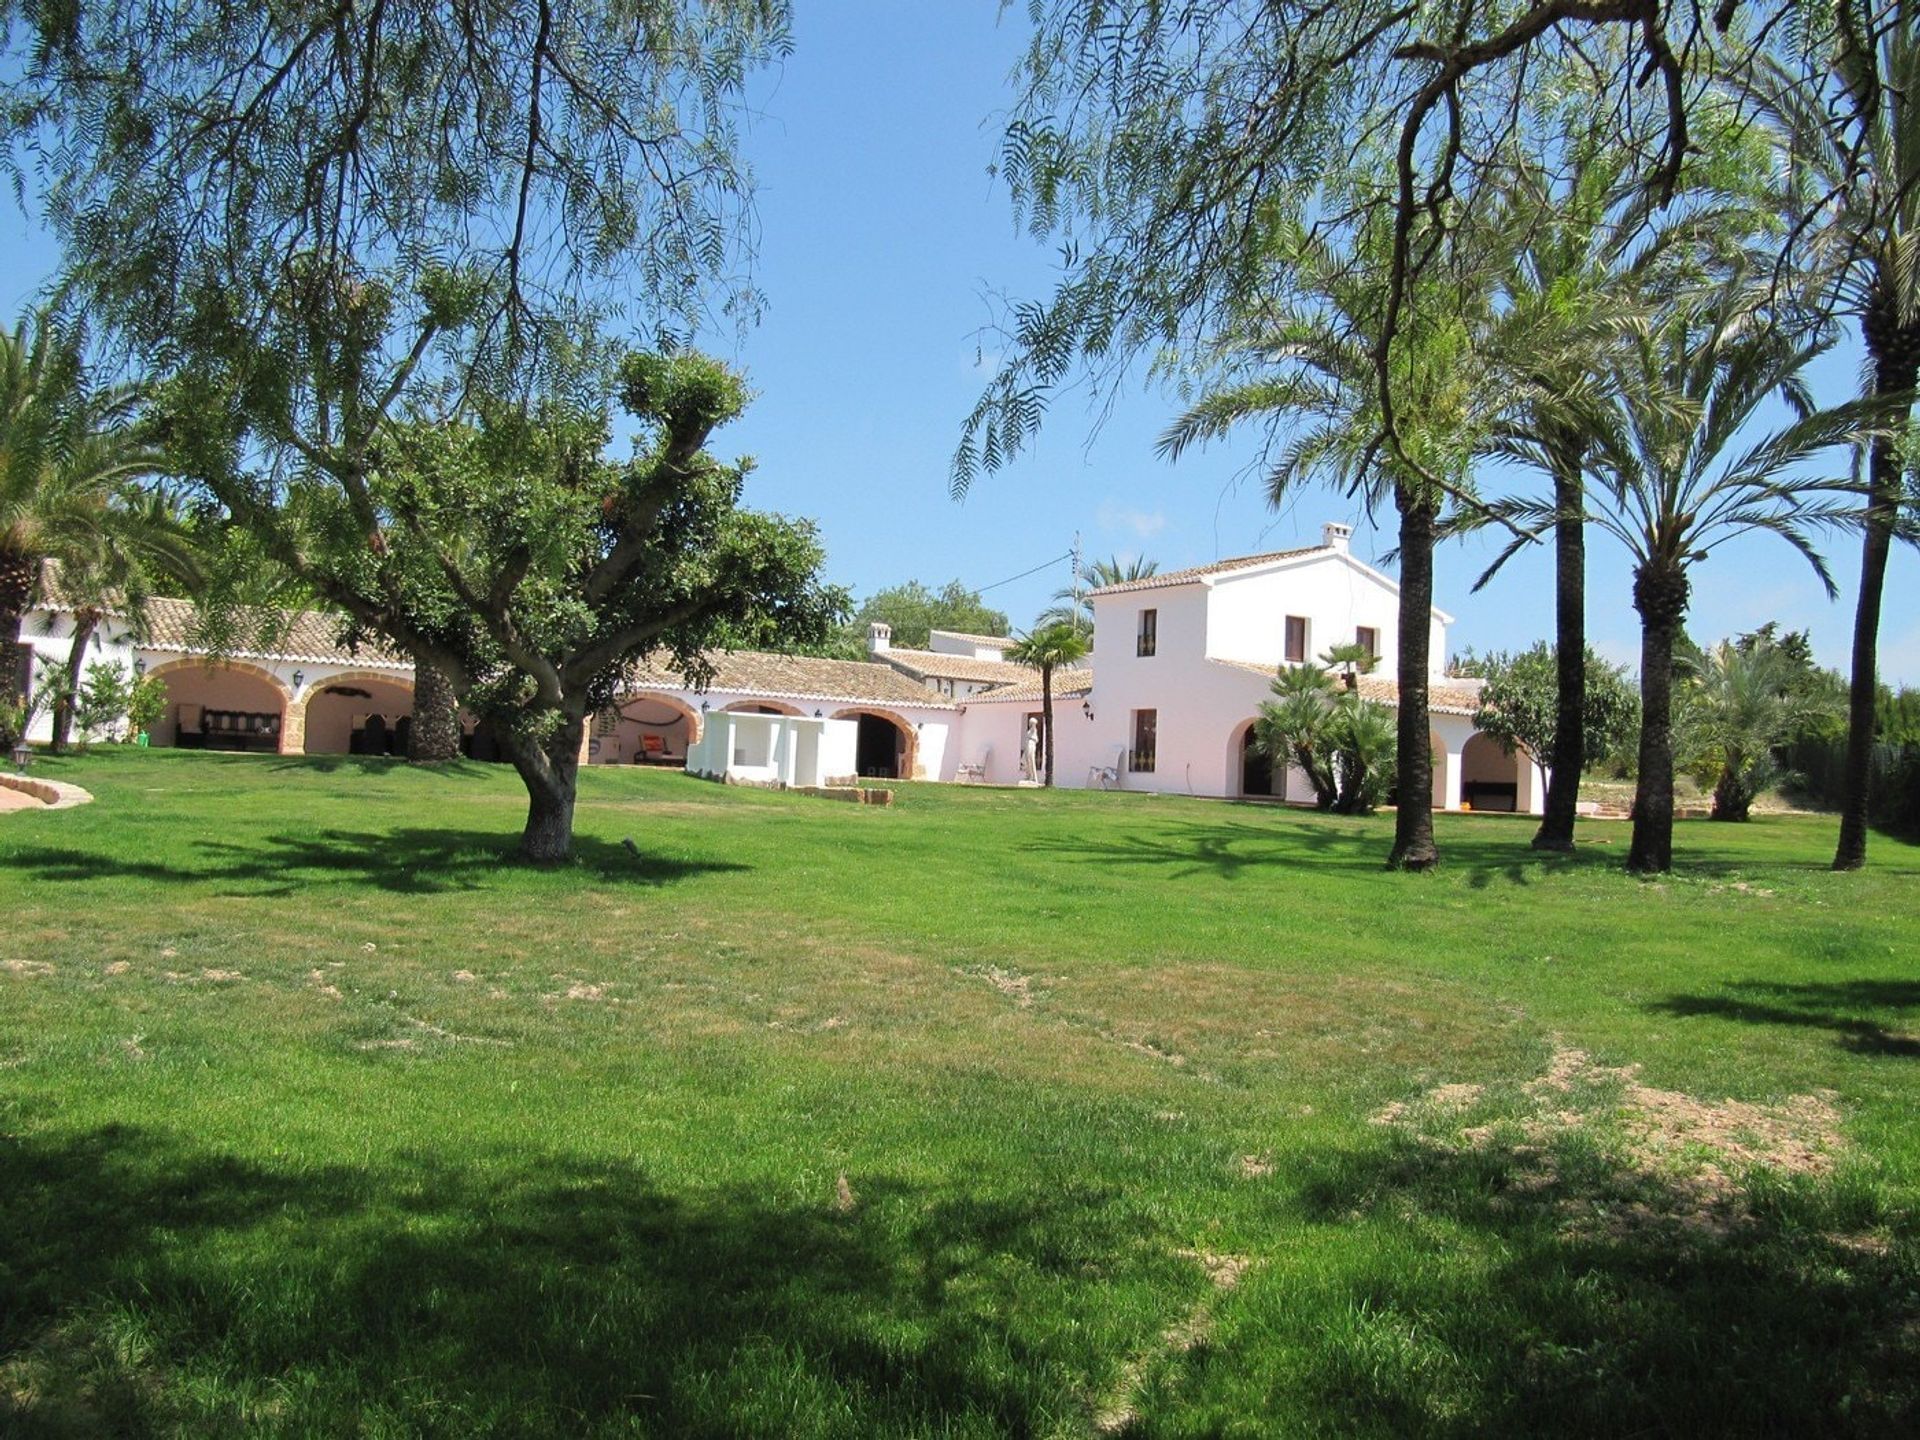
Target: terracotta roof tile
1443,698
1066,683
923,663
797,677
1201,572
1002,642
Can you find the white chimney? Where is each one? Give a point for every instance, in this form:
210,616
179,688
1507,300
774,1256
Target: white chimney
1335,536
879,637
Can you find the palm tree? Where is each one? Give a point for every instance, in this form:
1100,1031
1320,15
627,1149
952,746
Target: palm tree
1744,700
1313,382
1862,188
1073,604
67,451
145,541
1671,488
1292,728
1047,650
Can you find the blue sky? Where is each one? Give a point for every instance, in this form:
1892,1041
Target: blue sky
882,239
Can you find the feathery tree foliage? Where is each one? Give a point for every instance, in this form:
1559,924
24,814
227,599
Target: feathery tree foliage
362,244
1343,744
1047,649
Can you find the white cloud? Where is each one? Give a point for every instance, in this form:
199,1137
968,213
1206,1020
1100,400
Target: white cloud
1143,523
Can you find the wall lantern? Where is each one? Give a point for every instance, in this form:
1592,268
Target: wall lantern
299,676
816,712
704,707
139,668
1086,707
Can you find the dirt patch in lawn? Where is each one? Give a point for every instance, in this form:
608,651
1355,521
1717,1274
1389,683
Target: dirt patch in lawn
1671,1159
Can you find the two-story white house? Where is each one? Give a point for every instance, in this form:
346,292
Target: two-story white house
1182,661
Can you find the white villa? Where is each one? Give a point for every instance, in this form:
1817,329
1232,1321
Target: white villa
1181,662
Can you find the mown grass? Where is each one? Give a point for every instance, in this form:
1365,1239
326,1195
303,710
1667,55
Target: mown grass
989,1113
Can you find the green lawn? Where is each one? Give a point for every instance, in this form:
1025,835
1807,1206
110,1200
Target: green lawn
990,1113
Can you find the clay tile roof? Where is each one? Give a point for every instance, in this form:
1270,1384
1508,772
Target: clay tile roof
922,664
1000,641
796,677
312,636
1201,572
1066,683
1443,697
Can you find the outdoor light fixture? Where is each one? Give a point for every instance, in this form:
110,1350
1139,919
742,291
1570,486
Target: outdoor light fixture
816,713
298,677
22,753
1087,707
704,707
139,668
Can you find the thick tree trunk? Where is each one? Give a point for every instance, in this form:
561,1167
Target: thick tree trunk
551,773
434,734
18,571
1413,846
1569,756
1046,716
85,622
1892,373
1660,595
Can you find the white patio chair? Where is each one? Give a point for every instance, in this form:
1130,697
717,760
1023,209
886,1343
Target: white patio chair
1107,777
975,772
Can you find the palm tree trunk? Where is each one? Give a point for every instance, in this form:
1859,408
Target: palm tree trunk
1892,373
1660,595
1569,756
85,622
1046,716
18,571
434,734
1413,845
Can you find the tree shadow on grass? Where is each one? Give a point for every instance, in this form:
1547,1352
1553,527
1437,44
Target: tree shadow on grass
1843,1007
404,861
1542,1289
149,1286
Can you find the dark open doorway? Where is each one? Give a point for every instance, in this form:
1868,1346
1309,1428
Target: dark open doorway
877,751
1256,769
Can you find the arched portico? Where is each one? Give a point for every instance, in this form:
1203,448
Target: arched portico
872,756
358,712
1490,778
645,727
1251,773
229,705
763,707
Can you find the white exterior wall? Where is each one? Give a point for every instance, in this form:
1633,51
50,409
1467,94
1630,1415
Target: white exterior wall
775,750
1336,595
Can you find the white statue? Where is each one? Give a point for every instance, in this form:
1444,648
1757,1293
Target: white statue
1030,758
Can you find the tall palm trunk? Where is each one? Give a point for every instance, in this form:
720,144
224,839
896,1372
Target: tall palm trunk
85,622
434,732
1046,716
1895,350
18,571
1660,595
1569,756
1413,845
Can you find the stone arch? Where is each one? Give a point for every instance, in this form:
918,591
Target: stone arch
761,707
906,764
1489,776
334,716
619,737
197,686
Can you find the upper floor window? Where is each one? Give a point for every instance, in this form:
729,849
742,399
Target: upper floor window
1296,639
1368,639
1146,727
1149,637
